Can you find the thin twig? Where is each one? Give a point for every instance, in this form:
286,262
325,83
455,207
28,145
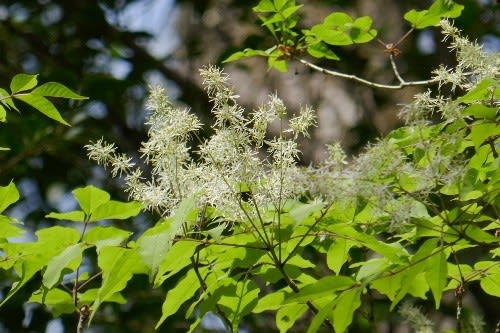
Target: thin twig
395,69
401,84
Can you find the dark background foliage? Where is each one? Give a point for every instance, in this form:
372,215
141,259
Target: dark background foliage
92,47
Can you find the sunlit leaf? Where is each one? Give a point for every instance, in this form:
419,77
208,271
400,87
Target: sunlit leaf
60,301
90,198
75,216
116,210
287,315
338,254
153,246
8,195
347,302
323,287
43,105
22,82
71,257
184,290
118,265
439,9
55,89
437,275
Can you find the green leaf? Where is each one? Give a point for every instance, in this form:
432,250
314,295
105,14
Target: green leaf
361,31
181,214
9,227
71,258
289,11
176,259
341,29
55,89
287,315
388,285
277,63
431,17
483,91
321,50
89,296
6,99
116,210
320,317
59,301
491,284
35,255
90,198
75,216
105,236
347,302
184,290
418,263
272,301
480,111
22,82
43,105
480,132
338,253
321,288
302,211
8,195
118,265
3,114
240,302
264,6
246,53
437,275
153,246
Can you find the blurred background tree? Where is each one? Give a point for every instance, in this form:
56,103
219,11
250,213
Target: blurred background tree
111,50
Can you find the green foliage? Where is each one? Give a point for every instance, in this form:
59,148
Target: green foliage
24,88
21,88
282,20
239,236
430,17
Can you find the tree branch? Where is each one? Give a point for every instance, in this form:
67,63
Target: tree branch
402,83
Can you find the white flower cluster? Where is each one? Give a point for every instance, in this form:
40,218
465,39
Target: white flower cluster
227,162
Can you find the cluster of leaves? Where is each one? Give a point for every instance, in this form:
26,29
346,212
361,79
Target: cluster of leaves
24,88
396,223
281,18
